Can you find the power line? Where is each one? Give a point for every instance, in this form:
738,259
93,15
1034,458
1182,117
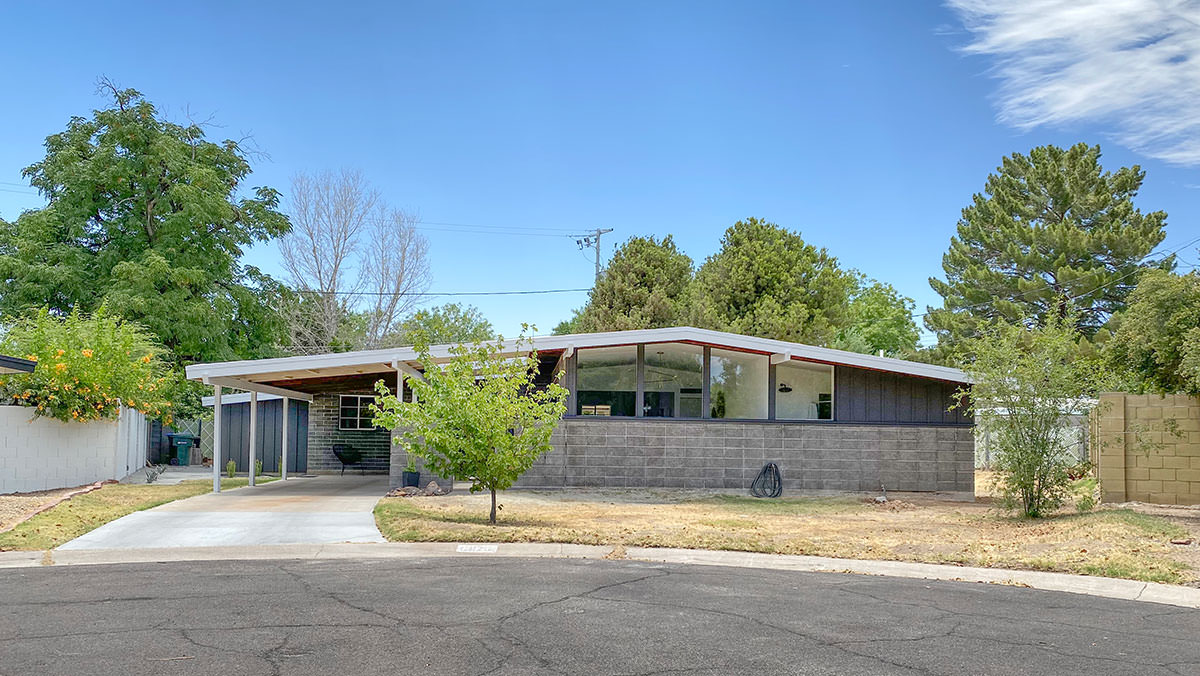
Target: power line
441,293
1147,259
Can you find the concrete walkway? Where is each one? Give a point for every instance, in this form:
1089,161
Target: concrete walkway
314,510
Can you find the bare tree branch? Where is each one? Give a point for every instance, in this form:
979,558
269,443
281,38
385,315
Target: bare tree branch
329,213
396,271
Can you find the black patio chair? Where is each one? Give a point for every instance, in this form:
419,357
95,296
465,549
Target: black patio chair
348,456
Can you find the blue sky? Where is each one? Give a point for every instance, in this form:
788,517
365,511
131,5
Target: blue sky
866,126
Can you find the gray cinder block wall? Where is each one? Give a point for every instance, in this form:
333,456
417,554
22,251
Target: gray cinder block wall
400,463
323,433
728,455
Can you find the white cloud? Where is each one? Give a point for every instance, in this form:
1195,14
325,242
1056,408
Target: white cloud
1133,65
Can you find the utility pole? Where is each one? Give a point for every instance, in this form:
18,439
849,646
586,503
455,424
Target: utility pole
592,240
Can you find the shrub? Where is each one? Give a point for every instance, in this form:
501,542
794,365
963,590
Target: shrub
88,366
231,468
1027,384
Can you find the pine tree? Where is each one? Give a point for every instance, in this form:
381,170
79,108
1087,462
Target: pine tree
1052,234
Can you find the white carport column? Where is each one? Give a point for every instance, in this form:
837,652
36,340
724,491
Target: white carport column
283,443
252,452
216,439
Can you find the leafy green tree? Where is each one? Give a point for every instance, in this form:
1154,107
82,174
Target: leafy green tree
1051,234
147,218
878,319
1027,383
88,367
1156,340
478,417
644,286
450,323
767,281
569,326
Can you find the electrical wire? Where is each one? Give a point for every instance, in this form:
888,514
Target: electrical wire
531,292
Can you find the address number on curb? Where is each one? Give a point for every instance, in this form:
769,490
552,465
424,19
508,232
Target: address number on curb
478,549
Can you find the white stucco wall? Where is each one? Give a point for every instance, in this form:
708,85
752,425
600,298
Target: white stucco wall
40,453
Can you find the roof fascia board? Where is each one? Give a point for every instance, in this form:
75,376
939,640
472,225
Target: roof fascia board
383,359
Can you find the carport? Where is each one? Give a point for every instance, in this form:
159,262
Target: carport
296,378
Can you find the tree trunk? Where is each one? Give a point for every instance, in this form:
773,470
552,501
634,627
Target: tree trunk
492,518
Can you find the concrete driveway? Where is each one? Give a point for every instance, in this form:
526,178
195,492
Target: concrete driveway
316,510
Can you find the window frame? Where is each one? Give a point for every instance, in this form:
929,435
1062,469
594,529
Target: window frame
359,408
572,380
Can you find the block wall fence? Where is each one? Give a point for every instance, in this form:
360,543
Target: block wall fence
1146,448
38,454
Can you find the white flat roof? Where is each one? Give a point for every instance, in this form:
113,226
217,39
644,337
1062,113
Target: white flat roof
381,361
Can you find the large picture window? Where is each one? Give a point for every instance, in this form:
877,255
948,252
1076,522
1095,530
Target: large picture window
803,391
674,380
738,385
355,412
606,381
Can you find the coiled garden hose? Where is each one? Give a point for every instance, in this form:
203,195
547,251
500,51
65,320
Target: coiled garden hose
768,483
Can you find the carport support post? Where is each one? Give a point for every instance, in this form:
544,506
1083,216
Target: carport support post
216,438
252,453
283,450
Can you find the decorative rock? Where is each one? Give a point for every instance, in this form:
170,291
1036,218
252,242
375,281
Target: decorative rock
434,489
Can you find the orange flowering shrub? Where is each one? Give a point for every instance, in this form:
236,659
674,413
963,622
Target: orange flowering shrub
87,367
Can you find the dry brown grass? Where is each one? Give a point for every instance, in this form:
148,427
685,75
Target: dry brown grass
15,507
1108,542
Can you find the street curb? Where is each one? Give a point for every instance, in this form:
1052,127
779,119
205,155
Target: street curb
1129,590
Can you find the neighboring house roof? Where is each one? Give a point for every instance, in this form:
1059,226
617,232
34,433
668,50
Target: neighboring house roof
290,369
15,365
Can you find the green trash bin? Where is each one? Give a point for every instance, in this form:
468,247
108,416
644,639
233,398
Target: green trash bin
181,445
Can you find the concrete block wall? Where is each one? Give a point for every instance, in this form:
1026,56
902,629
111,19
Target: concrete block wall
728,455
42,453
1147,448
400,463
374,444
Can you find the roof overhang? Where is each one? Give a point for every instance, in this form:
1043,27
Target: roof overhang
15,365
405,359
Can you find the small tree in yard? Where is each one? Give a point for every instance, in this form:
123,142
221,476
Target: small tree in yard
478,417
1027,383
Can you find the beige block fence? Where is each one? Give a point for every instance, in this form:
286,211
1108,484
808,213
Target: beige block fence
1146,447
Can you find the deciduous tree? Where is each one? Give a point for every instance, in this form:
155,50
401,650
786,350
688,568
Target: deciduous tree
357,265
450,323
878,319
479,417
1156,340
149,219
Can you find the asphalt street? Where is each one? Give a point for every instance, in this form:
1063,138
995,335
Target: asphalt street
493,615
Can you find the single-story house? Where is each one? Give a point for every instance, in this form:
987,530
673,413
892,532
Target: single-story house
15,365
671,407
